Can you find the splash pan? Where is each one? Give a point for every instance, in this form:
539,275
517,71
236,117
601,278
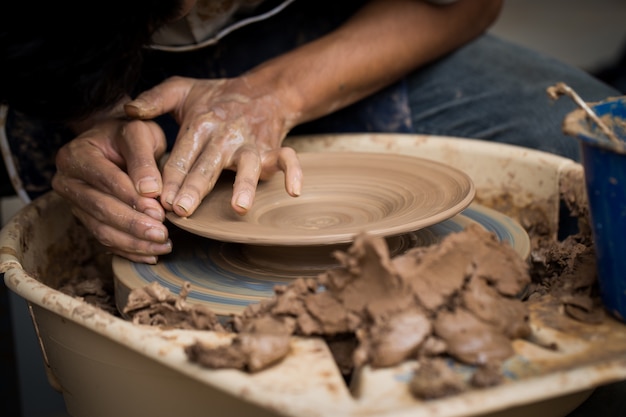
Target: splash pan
107,366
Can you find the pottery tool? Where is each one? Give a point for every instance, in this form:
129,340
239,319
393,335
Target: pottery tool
560,89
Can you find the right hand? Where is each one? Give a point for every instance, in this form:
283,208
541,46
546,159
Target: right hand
233,124
109,173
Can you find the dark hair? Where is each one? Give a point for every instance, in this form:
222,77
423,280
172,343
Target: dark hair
62,60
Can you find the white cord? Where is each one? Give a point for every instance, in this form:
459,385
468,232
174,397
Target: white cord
214,39
8,158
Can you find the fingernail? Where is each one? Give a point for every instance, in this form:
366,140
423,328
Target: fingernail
148,186
138,108
243,200
155,234
170,199
132,109
155,214
165,247
185,203
296,189
152,260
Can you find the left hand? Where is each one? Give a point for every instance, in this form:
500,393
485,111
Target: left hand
110,176
224,124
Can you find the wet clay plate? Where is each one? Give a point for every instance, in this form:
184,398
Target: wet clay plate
343,194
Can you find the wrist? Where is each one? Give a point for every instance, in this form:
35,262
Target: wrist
270,80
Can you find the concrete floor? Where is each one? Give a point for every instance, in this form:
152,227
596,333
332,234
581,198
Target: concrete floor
586,33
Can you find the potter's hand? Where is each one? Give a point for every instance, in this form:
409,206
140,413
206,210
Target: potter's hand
224,124
110,176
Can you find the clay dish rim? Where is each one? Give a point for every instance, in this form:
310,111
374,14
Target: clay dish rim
343,194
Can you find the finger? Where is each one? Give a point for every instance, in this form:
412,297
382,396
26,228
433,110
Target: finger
111,181
144,259
246,180
193,142
286,160
117,242
199,181
164,98
142,143
289,163
112,213
82,159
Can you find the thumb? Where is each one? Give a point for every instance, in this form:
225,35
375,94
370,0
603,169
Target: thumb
160,99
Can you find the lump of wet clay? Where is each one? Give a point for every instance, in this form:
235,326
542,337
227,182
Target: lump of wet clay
248,352
390,342
93,289
461,291
435,379
566,271
155,305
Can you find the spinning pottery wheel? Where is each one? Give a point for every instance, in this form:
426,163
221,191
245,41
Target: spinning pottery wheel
93,357
232,261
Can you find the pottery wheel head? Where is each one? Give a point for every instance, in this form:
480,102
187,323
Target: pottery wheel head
227,277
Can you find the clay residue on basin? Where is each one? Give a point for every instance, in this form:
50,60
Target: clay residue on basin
467,298
577,123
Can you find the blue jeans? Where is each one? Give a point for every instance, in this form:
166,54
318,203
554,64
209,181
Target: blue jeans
495,90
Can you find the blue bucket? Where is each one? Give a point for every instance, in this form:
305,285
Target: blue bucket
604,164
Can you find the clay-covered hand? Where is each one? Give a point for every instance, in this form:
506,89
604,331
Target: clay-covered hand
110,175
224,124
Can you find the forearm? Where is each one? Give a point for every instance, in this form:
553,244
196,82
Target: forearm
380,44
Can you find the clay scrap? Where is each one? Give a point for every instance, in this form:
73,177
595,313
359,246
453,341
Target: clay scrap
457,298
446,292
155,305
